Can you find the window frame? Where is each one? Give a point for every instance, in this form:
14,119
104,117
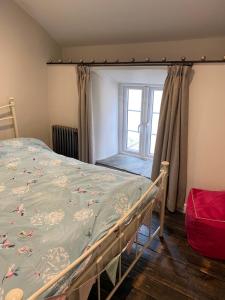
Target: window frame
146,118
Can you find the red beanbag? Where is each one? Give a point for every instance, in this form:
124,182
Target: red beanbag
205,222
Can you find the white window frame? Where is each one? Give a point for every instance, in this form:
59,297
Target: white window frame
146,117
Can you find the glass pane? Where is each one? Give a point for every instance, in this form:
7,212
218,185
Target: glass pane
134,118
133,141
134,99
153,139
157,101
155,121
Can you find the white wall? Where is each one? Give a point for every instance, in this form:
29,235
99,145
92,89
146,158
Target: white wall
25,48
142,75
206,147
213,48
63,106
206,150
105,84
105,115
62,96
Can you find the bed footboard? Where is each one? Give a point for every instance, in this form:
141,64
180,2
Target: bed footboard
112,244
164,170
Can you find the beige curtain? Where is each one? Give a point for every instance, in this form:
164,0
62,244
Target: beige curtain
84,113
172,135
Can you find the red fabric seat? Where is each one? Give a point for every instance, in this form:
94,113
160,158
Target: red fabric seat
205,222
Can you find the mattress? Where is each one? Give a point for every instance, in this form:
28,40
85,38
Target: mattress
52,208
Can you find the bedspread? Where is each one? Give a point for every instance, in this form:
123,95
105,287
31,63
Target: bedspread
52,208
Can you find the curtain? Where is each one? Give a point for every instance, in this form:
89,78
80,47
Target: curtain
172,135
84,114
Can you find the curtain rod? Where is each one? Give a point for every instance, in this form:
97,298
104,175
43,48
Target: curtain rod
133,62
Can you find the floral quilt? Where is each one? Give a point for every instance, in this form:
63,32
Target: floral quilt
51,209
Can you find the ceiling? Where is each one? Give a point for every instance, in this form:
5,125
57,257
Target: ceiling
92,22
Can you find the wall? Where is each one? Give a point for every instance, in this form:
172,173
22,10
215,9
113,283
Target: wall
105,115
63,99
62,96
25,48
142,75
213,48
206,158
206,151
105,83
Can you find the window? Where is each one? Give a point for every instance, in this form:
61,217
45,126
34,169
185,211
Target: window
139,116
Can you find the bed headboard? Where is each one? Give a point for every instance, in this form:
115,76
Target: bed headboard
9,109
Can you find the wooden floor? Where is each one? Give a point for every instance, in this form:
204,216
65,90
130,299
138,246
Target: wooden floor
170,270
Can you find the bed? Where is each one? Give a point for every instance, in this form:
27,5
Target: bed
63,222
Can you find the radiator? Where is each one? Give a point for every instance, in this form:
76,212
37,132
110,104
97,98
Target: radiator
65,140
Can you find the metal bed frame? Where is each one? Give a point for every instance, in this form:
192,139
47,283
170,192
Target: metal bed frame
112,244
11,115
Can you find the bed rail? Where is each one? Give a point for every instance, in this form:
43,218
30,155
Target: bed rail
11,115
116,242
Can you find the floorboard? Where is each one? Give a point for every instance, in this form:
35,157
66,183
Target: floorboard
169,269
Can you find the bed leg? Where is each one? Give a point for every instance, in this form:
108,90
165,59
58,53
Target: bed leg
15,294
164,169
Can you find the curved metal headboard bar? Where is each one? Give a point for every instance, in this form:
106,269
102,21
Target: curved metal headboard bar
11,116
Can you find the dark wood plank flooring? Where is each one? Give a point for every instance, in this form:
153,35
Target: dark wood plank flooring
169,270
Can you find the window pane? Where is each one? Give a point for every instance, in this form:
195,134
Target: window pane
157,101
155,121
132,141
134,99
153,139
133,120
